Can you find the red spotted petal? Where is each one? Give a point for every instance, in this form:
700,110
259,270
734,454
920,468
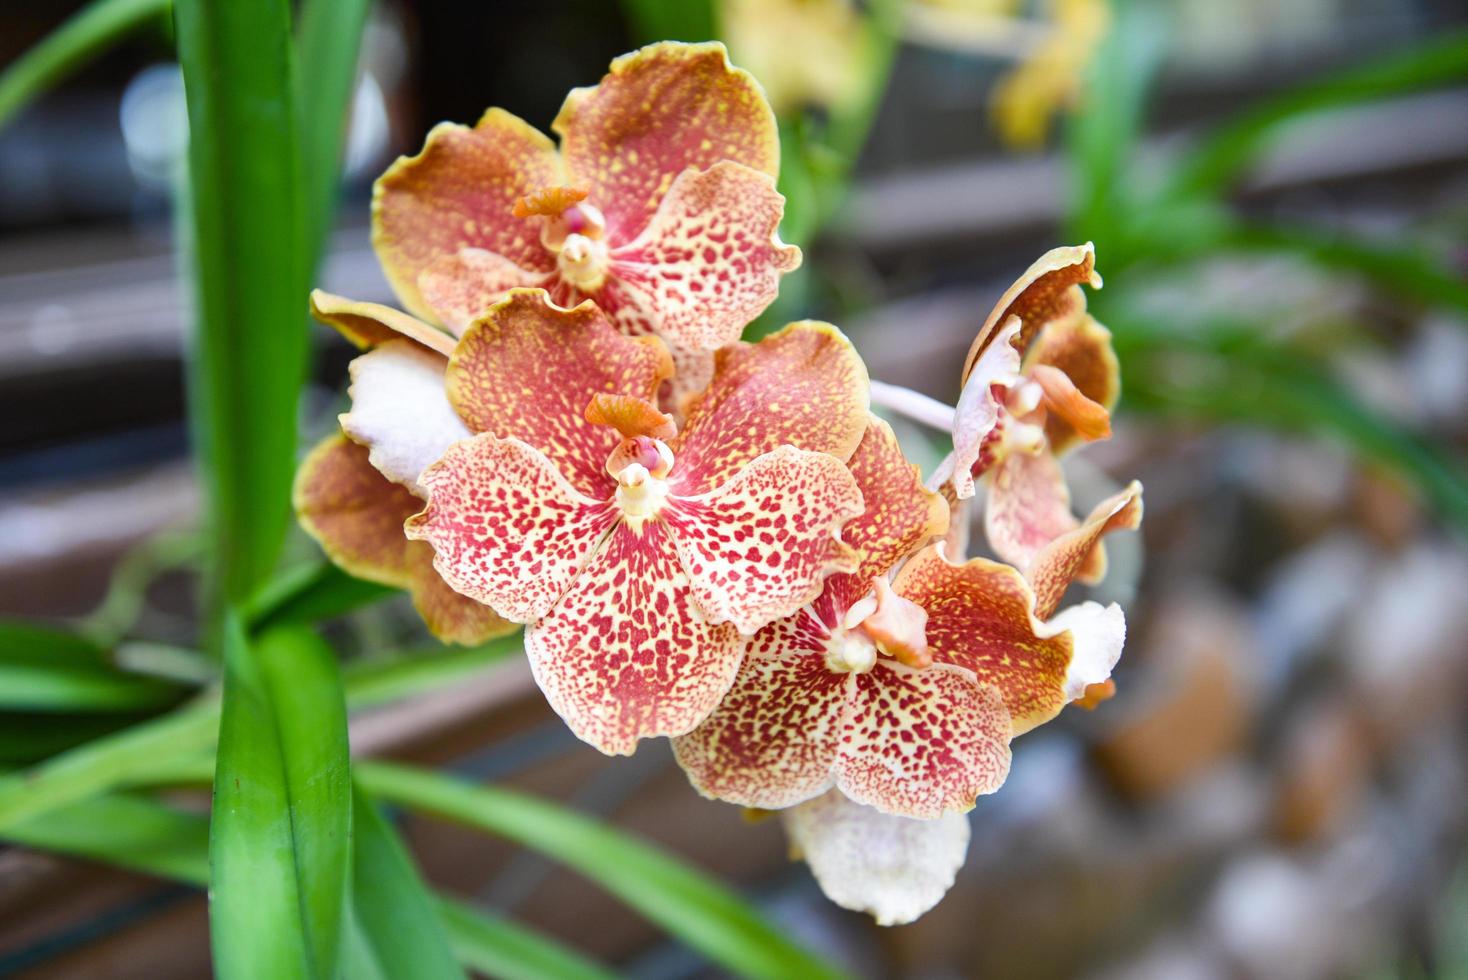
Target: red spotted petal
804,386
1047,291
357,515
1028,507
894,868
760,546
919,743
773,740
658,112
506,528
527,369
625,655
981,617
370,324
1080,553
709,262
460,192
1081,349
400,410
461,287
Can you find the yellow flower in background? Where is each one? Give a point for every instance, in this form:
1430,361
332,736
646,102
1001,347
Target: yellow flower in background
804,52
1049,79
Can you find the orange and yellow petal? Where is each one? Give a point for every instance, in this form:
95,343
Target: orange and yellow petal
981,617
659,111
371,324
773,739
357,516
922,742
804,386
506,528
1080,553
462,286
625,655
460,192
709,262
977,415
1047,291
1028,506
761,546
893,868
400,410
527,369
1081,349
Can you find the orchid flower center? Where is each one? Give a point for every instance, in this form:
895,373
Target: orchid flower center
850,652
893,625
574,231
642,460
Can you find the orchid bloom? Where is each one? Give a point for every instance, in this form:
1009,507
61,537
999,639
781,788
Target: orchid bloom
660,205
904,691
639,554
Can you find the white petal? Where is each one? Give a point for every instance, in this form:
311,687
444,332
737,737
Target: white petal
977,411
1098,633
401,411
893,868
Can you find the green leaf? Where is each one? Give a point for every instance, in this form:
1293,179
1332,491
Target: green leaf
26,738
393,907
85,34
328,42
498,948
310,593
1228,149
686,902
658,20
51,670
249,349
280,838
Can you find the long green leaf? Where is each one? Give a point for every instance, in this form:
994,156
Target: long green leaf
280,838
1225,152
141,834
249,262
51,670
310,593
686,902
394,908
85,35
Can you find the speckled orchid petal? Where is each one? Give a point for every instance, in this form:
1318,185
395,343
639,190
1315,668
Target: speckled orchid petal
981,617
916,742
460,287
1028,506
659,111
1047,291
371,324
773,740
709,262
979,407
527,369
893,868
803,386
460,192
625,655
1081,349
506,528
760,546
400,411
357,516
1080,554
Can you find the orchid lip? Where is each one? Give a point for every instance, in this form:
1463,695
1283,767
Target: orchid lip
583,261
850,652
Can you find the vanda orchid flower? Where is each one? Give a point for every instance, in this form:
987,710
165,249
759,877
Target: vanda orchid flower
638,554
660,205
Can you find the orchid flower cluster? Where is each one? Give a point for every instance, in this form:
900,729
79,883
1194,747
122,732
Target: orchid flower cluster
705,539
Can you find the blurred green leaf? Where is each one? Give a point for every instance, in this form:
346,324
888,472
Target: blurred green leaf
687,903
327,44
659,20
249,351
498,948
85,34
26,738
280,837
310,593
51,670
392,905
1226,150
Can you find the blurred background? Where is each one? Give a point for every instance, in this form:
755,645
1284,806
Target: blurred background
1278,192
